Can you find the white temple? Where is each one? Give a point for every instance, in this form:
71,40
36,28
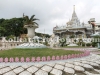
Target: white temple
74,28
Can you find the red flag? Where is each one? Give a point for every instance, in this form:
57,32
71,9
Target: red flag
55,27
93,23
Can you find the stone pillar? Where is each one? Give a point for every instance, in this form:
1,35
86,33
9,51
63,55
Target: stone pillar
84,34
17,39
20,39
43,39
99,45
30,40
14,39
3,42
38,41
51,42
25,40
57,38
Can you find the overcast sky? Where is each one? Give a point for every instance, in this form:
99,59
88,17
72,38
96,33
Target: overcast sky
51,12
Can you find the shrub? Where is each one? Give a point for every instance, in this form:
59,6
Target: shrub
78,43
72,36
75,40
11,36
94,44
62,42
88,44
46,43
83,43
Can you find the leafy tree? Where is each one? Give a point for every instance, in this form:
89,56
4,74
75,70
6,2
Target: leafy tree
15,26
12,26
41,34
72,36
2,30
1,20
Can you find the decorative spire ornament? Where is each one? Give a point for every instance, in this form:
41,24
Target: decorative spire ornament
74,8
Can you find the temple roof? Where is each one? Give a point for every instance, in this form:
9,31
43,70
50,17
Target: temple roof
74,23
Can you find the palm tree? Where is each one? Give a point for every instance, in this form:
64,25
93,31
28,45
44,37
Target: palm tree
31,25
30,21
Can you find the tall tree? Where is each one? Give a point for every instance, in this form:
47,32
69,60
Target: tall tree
30,21
12,26
15,26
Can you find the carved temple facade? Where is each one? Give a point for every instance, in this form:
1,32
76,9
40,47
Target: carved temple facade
75,29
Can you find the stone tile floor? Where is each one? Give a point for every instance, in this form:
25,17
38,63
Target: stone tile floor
89,65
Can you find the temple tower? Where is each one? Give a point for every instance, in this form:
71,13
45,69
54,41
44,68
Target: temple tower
74,19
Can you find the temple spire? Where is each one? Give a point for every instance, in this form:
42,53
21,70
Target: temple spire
74,13
74,8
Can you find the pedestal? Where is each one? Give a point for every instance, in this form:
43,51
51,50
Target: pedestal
31,30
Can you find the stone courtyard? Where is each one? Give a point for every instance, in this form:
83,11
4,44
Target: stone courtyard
89,65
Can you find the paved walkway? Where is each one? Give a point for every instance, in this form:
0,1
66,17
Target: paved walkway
89,65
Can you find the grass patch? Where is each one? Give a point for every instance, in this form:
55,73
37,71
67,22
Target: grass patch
73,47
35,52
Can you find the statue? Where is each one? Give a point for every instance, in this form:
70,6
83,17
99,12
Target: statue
54,41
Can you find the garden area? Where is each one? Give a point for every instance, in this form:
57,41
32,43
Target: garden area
35,52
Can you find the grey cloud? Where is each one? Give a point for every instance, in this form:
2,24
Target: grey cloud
50,12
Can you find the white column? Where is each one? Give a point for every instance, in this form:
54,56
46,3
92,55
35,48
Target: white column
57,38
38,41
43,39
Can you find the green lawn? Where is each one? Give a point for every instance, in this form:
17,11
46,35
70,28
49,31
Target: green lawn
35,52
73,47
